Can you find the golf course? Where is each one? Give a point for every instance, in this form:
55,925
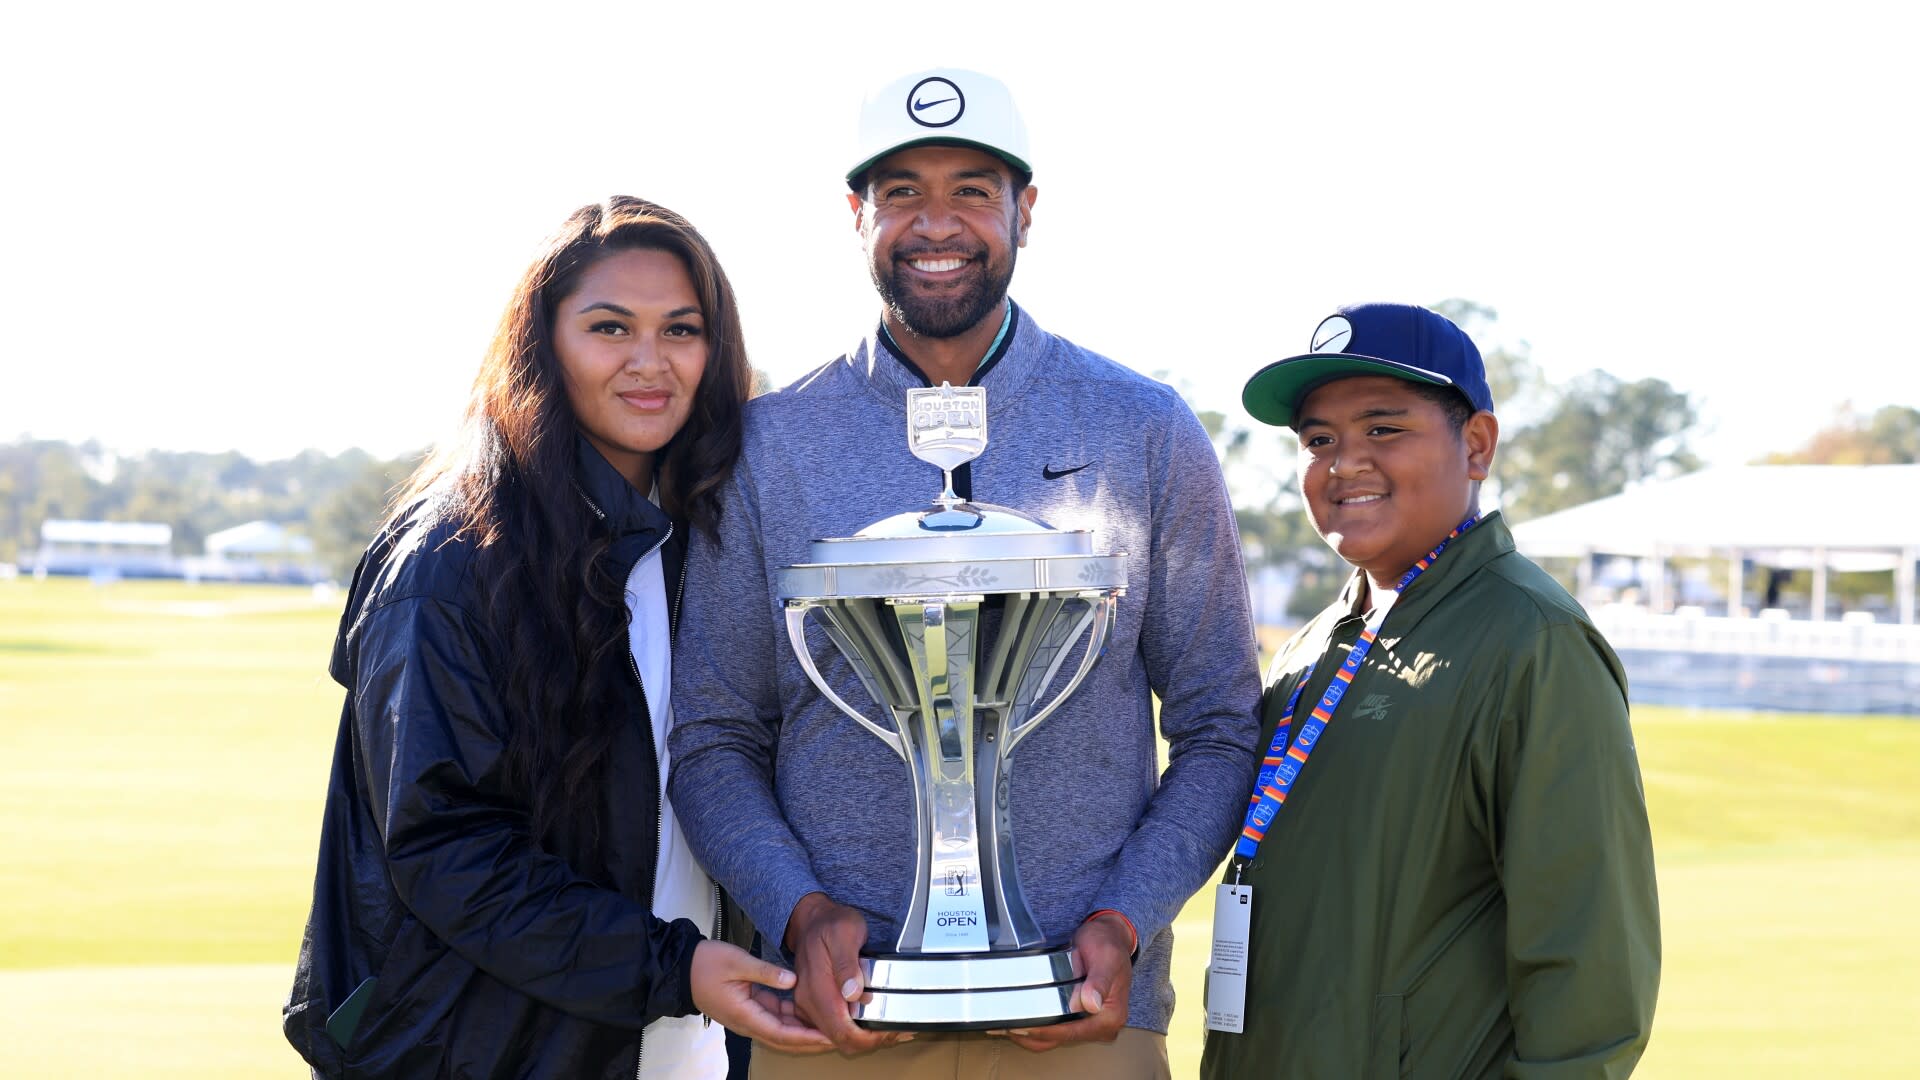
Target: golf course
164,750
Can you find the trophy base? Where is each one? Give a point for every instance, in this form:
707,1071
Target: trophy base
983,991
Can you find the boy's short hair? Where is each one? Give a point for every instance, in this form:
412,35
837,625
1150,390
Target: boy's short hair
1451,401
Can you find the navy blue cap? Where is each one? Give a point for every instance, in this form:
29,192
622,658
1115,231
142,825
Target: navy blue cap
1397,340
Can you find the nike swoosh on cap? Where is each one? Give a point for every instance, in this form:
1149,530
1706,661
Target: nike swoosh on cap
920,105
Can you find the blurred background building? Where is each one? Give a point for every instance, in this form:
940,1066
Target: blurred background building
1780,587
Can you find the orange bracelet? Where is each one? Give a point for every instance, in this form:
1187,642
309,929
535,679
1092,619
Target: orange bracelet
1135,934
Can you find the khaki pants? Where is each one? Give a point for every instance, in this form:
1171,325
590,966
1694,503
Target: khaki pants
1135,1055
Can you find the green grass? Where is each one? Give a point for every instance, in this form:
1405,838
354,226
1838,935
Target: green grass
163,752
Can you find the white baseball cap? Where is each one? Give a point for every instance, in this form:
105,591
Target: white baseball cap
944,106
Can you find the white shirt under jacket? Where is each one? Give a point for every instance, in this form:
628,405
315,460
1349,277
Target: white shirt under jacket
673,1047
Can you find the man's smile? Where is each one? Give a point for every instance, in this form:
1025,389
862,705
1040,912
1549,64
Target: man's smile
937,264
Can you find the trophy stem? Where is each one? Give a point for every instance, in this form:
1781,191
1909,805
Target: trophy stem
939,636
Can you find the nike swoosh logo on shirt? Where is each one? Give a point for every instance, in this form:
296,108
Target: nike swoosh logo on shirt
1047,471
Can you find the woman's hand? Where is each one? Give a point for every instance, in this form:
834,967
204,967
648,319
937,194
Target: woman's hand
729,985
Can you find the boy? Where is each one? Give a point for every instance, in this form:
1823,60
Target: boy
1446,868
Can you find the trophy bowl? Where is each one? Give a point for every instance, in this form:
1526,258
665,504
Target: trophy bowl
904,602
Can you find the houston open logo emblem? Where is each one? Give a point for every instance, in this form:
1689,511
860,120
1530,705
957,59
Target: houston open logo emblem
935,102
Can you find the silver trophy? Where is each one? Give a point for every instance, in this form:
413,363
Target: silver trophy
902,601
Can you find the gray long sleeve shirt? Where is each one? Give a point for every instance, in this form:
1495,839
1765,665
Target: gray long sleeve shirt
782,795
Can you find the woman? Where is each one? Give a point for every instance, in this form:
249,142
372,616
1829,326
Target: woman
502,889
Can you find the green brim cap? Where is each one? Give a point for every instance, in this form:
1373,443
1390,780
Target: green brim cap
1399,341
1276,390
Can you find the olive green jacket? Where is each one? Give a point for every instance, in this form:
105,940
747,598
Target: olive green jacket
1461,881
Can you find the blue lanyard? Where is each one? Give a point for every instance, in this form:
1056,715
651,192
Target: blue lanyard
1282,763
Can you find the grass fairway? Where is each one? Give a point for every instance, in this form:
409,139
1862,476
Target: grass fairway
163,750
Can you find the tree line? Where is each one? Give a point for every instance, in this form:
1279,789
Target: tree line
1562,444
334,499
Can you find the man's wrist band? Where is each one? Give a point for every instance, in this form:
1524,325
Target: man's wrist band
1131,932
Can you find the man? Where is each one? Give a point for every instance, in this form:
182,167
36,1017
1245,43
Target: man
1447,852
805,817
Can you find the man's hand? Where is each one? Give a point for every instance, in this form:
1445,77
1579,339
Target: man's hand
729,985
1105,944
825,940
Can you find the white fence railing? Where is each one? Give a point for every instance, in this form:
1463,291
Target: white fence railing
1635,628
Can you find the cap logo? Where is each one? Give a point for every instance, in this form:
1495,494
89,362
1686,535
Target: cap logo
1332,335
935,102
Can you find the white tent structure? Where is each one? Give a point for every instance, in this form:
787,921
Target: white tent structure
256,551
1815,517
258,539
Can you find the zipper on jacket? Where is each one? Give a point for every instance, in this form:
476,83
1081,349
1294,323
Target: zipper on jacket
640,1048
653,874
679,594
719,906
595,507
659,834
659,828
719,929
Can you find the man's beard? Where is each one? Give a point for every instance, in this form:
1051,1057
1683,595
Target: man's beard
943,316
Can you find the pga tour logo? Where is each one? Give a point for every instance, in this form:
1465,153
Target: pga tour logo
935,102
956,918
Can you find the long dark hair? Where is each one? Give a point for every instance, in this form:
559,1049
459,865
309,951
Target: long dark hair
553,604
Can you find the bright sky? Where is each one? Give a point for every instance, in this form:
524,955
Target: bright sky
268,226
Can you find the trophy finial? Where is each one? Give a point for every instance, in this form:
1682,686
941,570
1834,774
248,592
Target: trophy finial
947,427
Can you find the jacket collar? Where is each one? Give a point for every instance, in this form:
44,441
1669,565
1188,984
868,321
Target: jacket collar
615,501
1004,371
1478,546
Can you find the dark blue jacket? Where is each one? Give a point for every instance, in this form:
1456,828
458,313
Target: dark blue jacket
491,956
